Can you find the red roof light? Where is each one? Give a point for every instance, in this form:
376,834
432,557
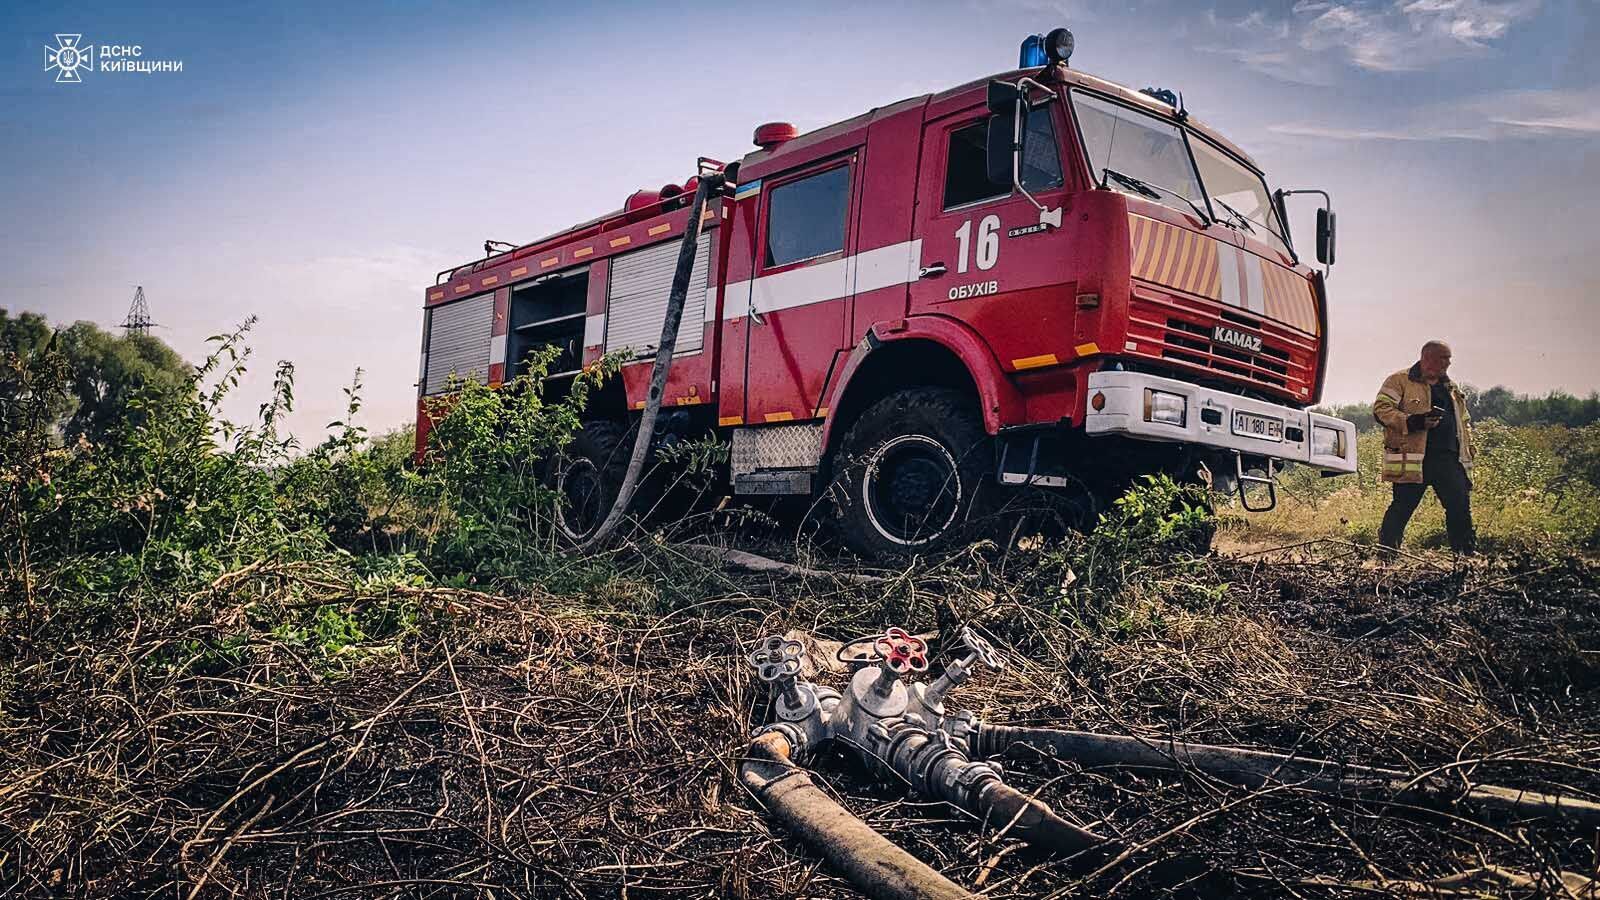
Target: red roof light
772,134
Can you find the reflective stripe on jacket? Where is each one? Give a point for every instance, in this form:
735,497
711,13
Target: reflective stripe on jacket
1405,394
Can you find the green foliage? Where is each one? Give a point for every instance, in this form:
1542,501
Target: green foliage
32,397
1158,526
105,372
1554,408
1533,487
1501,404
172,497
695,457
1359,413
488,465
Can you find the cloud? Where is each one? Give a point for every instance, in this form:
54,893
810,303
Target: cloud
1408,36
1503,115
1314,39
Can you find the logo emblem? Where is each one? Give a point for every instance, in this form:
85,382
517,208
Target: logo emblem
1225,335
69,58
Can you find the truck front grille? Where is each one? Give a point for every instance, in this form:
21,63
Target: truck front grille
1179,331
1267,367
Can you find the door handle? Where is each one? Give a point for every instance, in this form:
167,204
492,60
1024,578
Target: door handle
755,316
933,271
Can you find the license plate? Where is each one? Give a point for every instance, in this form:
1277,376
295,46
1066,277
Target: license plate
1264,427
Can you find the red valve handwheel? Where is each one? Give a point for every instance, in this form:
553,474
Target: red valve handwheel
902,652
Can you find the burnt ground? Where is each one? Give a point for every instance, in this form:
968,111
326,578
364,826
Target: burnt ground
522,744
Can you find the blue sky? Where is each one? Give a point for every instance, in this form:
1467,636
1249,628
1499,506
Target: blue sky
316,164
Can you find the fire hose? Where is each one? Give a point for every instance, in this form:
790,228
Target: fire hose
709,182
905,729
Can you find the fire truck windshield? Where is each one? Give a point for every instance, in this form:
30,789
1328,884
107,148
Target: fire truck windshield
1144,154
1137,147
1239,192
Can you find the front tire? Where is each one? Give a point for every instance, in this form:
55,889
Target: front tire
913,470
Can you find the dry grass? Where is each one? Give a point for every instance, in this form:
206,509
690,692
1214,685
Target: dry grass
527,745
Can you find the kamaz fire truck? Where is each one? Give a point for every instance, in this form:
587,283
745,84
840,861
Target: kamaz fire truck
1035,279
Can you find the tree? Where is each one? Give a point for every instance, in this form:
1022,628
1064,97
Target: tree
104,370
24,340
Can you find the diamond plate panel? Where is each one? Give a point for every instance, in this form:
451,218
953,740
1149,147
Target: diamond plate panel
776,447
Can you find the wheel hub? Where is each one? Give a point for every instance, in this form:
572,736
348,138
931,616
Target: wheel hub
912,489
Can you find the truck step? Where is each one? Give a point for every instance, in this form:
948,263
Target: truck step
781,481
776,447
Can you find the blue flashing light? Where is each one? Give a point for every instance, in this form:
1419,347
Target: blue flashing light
1032,55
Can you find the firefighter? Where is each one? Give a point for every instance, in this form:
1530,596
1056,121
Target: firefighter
1427,441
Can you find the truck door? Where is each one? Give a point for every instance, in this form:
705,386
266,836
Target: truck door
796,299
986,258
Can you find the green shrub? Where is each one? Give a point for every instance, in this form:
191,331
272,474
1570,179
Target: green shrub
487,468
172,498
1157,525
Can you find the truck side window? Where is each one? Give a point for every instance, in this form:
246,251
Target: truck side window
805,218
965,177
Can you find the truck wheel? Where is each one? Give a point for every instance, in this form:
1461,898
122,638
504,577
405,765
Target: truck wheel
910,472
589,476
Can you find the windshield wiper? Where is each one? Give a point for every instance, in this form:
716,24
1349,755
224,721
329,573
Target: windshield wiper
1238,217
1129,181
1154,191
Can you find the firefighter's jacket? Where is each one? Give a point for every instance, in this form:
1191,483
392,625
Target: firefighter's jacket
1405,394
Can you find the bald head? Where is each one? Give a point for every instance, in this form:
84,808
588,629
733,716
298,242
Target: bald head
1435,360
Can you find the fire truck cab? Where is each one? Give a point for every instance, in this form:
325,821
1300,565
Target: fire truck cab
1037,278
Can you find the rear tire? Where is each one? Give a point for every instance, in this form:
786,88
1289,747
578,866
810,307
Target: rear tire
911,472
589,476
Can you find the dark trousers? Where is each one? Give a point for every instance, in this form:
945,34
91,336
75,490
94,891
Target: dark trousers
1449,481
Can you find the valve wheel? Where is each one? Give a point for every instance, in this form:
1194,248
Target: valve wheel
902,652
983,649
776,658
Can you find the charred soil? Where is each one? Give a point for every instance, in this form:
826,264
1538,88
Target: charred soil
521,743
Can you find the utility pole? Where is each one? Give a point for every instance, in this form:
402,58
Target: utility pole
138,321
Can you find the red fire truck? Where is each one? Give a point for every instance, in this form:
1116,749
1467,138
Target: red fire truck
1039,278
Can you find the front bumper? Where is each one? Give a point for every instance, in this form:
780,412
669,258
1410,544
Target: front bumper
1208,421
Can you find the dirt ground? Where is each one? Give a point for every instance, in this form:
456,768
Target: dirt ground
530,745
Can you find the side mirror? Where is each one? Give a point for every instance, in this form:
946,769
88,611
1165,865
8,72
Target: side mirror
1002,98
1003,142
999,149
1326,230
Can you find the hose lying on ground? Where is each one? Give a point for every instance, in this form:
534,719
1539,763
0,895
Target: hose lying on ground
1255,768
873,863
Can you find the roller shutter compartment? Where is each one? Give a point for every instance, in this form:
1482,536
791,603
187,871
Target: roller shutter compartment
636,302
458,341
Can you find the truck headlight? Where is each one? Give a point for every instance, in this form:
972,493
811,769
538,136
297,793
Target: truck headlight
1327,441
1168,408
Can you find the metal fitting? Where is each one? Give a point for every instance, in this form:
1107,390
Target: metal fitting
777,662
904,728
979,651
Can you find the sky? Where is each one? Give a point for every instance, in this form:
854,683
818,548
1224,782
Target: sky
315,165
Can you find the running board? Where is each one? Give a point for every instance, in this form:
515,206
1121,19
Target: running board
772,483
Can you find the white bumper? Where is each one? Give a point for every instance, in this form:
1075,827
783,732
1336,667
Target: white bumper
1209,420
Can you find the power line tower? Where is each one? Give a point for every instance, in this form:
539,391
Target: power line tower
138,321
